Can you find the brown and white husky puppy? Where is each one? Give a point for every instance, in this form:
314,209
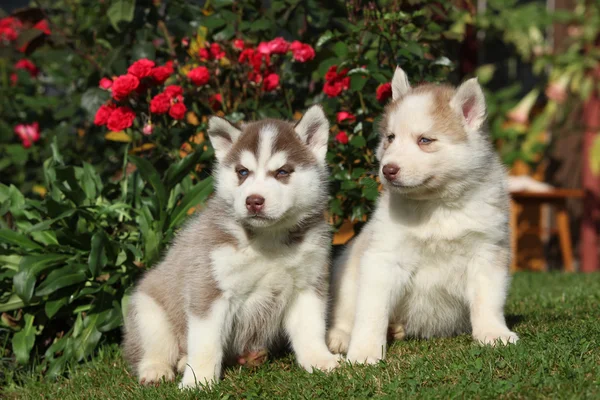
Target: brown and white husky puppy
251,268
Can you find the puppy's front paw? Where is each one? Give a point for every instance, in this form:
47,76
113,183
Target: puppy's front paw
324,362
196,380
366,354
493,338
338,341
154,373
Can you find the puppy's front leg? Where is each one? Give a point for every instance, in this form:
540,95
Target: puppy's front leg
305,325
486,290
381,282
206,336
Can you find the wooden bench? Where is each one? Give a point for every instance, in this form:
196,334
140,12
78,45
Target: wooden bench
526,219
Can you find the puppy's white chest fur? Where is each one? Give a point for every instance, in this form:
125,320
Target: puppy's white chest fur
434,245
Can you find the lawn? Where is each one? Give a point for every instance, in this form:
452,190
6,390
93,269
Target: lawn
556,316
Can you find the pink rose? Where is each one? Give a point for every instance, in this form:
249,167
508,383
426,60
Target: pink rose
345,116
278,46
28,133
105,83
302,52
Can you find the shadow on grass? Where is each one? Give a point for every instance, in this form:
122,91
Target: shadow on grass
513,320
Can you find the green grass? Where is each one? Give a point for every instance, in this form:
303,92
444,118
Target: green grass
556,316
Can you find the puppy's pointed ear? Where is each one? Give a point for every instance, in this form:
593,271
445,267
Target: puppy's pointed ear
400,84
223,134
469,101
313,129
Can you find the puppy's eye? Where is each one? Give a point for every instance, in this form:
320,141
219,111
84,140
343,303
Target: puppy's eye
242,172
282,172
391,137
425,140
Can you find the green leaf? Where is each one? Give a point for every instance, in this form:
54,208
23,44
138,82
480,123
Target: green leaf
92,99
17,239
327,36
358,172
60,278
151,176
14,303
340,49
357,82
29,269
260,25
53,306
120,11
180,169
143,50
370,190
197,195
85,342
358,141
97,259
23,341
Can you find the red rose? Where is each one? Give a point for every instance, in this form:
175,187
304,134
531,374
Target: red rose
278,46
270,82
331,73
238,44
28,133
257,60
123,86
215,101
160,104
332,88
254,77
173,91
345,116
342,137
120,119
199,76
216,51
384,92
10,28
103,114
141,68
246,55
28,66
336,82
302,52
177,111
43,26
105,83
161,74
264,48
203,54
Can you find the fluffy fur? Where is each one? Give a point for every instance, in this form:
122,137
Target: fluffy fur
246,273
433,260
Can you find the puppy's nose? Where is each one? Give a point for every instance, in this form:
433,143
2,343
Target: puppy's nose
255,203
390,171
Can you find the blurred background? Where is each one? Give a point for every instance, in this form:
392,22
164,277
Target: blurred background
104,107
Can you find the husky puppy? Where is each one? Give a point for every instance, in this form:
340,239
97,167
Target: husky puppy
249,270
433,259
